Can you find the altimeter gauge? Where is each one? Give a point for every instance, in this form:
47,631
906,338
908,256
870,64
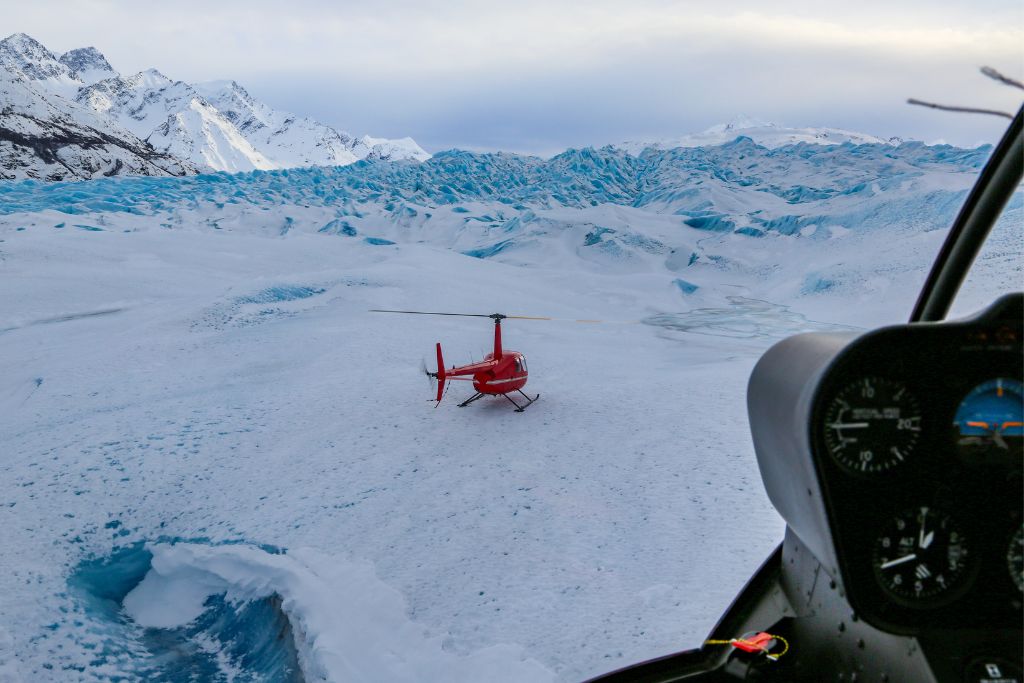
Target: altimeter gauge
872,425
920,556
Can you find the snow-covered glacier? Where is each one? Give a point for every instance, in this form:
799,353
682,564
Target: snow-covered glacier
218,464
695,213
703,180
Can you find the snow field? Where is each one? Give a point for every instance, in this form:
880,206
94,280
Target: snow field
590,530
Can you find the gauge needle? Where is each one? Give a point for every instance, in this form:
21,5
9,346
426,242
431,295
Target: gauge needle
849,425
899,560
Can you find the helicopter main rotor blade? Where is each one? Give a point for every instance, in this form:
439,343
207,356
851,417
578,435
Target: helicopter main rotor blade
511,317
464,315
572,320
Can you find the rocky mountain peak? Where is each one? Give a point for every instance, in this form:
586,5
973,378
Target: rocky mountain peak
88,64
150,78
25,44
21,53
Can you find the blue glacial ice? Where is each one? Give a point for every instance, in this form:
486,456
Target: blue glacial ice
676,179
244,641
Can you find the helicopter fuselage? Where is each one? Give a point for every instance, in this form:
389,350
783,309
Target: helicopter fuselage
494,376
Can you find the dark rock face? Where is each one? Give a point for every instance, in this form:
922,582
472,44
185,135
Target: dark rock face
48,138
78,153
86,59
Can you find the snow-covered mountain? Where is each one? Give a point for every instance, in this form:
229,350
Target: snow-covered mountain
290,140
24,56
215,126
389,149
763,133
46,137
175,119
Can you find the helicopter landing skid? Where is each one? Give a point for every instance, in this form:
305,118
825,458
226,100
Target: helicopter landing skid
471,399
529,401
519,408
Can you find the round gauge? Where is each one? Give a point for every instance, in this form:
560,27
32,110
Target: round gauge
920,555
872,425
990,419
1015,558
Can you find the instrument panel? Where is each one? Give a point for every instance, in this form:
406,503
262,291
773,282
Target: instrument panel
917,433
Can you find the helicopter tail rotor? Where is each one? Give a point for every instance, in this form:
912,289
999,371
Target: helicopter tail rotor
438,376
427,373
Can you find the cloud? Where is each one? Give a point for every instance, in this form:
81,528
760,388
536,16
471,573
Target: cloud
548,74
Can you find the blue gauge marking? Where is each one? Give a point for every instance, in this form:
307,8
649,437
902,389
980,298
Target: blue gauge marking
990,413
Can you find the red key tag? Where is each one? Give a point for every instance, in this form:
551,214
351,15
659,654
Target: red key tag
759,642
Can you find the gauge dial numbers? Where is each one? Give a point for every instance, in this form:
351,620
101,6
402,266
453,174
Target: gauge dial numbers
872,425
1015,559
920,556
990,419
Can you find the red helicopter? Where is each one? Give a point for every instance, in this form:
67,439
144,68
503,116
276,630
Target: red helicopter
500,373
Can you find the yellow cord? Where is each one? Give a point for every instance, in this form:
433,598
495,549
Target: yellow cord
773,657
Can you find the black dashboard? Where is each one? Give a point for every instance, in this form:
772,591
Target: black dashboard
917,441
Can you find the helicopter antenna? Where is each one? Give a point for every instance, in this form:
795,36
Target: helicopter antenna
987,71
1005,80
968,110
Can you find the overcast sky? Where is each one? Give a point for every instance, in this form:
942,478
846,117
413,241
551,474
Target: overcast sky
537,77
